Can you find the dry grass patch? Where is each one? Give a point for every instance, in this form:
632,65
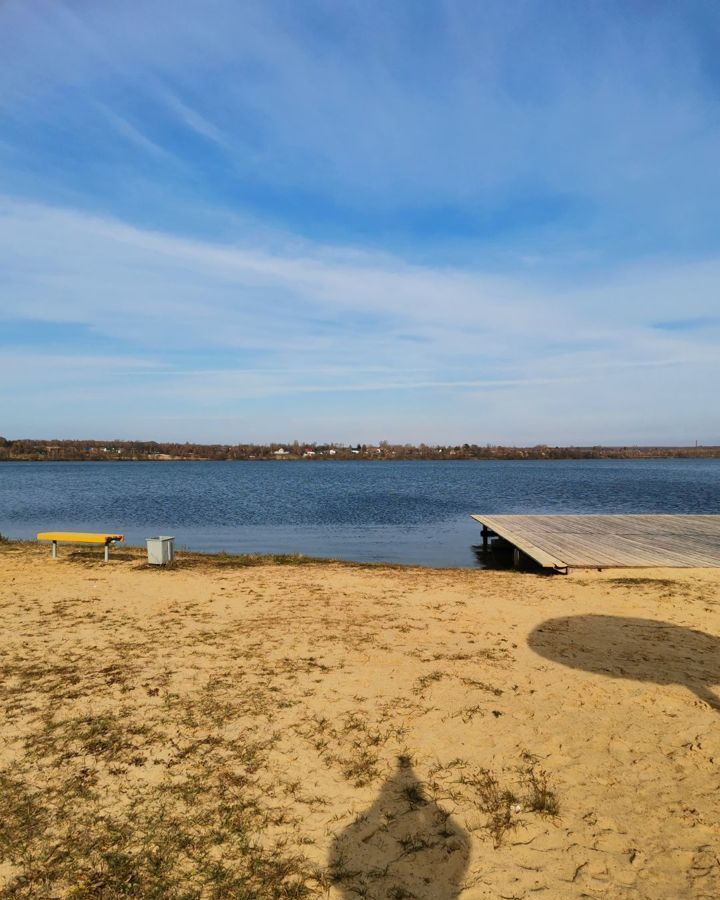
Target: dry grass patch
194,820
503,799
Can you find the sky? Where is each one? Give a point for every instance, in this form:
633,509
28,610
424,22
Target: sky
415,220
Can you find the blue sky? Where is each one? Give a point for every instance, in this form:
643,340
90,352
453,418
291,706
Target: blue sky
441,221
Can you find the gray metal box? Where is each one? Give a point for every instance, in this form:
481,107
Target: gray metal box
160,550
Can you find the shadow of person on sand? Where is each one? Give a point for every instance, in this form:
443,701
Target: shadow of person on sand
639,649
405,845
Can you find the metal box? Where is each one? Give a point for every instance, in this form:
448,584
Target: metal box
160,550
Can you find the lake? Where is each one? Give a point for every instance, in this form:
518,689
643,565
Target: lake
407,512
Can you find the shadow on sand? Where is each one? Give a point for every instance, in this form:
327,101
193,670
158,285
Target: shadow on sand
405,845
640,649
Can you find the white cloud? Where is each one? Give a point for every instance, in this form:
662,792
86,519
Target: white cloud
206,329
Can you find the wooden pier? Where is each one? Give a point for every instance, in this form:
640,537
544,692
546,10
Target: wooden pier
604,542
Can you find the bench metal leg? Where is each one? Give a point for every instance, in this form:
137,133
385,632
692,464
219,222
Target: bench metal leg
107,551
54,549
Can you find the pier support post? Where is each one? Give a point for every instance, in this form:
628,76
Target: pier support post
485,534
516,558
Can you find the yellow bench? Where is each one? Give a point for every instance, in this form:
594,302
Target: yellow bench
80,537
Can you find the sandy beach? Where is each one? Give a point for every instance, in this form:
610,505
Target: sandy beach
327,730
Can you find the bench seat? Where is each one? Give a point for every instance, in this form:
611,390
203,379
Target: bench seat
80,537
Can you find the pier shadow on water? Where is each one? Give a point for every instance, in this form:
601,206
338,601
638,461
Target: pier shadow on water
404,846
500,556
638,649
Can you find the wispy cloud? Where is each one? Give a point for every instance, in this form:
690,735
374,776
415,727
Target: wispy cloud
131,132
193,119
213,326
698,323
540,133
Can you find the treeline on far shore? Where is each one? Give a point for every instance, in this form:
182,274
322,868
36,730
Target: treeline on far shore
50,450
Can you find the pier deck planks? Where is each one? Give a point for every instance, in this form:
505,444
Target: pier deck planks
612,541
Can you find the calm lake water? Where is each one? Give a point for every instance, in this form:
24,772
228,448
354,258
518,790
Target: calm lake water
410,512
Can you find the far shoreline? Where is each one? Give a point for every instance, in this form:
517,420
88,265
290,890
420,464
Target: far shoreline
713,454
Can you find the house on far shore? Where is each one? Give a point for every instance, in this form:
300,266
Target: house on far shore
281,452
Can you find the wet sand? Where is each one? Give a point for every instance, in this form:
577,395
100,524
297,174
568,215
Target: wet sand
326,730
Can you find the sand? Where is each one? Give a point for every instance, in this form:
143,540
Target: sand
217,730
